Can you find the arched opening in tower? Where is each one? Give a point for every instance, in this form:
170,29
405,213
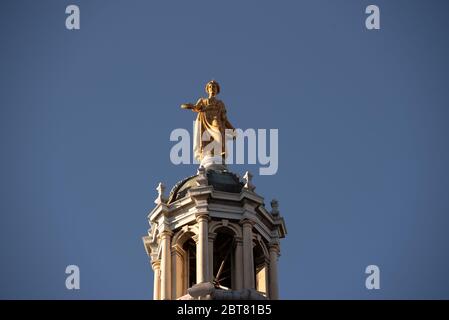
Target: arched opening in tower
190,248
224,260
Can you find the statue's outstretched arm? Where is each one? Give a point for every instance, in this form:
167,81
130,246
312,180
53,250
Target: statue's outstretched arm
197,107
187,106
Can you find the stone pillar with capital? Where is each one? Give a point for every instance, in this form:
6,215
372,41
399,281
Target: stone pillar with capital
166,265
248,260
238,263
274,287
212,237
202,249
157,279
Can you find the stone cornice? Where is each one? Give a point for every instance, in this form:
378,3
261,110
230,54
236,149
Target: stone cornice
250,199
234,207
200,191
280,223
147,244
161,208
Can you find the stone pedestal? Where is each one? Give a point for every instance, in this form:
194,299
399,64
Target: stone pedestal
213,163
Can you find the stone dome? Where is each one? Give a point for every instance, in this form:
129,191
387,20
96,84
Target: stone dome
221,180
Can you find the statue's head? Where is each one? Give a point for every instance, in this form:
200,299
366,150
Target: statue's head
212,88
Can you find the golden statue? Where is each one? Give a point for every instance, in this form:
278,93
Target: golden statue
210,126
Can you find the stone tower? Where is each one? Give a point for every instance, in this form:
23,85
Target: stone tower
213,238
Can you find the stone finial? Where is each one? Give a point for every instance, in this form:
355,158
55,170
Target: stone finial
202,177
274,207
161,194
248,177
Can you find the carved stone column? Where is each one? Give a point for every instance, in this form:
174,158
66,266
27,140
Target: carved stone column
248,259
166,265
202,256
157,279
212,237
238,263
274,287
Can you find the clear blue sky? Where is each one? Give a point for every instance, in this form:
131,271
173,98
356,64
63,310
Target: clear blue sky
85,119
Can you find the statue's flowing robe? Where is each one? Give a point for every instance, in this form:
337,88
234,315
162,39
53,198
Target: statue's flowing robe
210,126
